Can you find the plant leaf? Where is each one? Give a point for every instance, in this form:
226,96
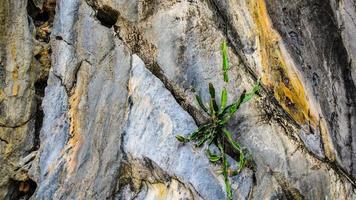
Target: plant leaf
212,157
182,139
225,56
204,137
213,105
201,104
213,136
242,162
252,93
225,61
225,173
223,98
196,134
212,90
226,77
231,109
202,140
232,142
240,100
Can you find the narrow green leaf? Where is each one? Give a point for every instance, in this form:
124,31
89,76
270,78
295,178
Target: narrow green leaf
241,165
248,97
225,56
224,120
213,136
182,139
212,90
212,157
225,173
211,139
231,109
201,104
200,131
226,77
205,137
232,142
242,162
252,93
223,98
240,100
213,105
225,61
194,135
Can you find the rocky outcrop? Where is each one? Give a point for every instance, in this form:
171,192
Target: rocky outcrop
17,94
121,83
24,65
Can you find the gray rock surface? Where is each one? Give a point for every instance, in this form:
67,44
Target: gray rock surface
121,85
153,121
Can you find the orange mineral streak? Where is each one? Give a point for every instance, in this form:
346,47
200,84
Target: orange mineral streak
76,116
15,78
15,89
75,140
328,146
13,51
279,74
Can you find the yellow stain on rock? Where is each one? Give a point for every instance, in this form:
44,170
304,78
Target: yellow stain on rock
277,74
77,117
2,95
327,144
15,74
15,89
75,139
160,191
15,77
13,50
280,75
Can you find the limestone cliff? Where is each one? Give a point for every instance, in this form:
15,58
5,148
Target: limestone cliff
93,93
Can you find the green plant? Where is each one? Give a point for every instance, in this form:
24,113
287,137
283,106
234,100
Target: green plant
214,132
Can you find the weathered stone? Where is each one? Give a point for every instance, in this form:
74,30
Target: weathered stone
122,83
70,136
179,43
150,135
322,58
17,102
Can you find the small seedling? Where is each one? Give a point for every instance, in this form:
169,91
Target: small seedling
214,132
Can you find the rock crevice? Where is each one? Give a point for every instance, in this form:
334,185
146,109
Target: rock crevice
93,92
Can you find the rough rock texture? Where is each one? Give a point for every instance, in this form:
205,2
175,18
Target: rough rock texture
24,65
17,102
120,85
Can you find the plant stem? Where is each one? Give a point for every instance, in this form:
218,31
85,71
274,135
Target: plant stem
225,173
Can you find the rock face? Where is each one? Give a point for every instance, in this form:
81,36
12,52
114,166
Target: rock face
120,79
17,94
